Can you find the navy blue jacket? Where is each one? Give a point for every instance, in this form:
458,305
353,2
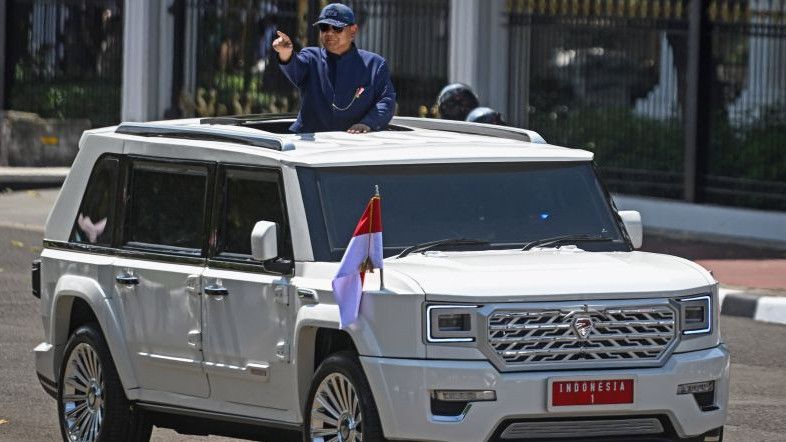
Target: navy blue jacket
324,107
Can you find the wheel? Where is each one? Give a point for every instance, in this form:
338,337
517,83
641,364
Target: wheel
340,407
91,403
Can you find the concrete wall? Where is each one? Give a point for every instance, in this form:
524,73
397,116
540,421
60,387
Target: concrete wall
728,224
30,141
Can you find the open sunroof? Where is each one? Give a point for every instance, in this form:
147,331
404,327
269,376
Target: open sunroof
273,123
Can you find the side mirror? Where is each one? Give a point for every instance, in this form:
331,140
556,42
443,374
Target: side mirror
264,241
632,221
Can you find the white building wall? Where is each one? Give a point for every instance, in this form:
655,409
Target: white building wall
765,84
478,50
147,59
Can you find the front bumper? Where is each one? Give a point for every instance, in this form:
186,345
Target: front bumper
402,390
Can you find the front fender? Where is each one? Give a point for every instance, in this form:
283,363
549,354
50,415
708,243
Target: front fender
71,287
389,325
310,318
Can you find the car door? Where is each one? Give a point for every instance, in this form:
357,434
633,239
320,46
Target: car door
247,304
158,271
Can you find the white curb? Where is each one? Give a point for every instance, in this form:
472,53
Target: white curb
750,305
771,309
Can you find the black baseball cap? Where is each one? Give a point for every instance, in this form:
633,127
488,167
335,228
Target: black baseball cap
336,14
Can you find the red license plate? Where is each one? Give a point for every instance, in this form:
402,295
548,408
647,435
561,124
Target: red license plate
592,392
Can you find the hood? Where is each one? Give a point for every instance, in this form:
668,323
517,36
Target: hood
566,273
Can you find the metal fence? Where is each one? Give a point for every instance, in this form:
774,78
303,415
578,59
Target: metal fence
617,77
64,58
413,36
230,67
746,162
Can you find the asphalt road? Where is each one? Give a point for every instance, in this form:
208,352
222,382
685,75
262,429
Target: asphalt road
758,386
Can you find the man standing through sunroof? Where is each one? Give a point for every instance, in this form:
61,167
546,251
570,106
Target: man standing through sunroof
342,88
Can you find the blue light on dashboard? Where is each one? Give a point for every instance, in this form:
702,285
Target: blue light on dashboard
544,216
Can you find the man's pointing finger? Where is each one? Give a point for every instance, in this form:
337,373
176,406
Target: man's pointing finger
283,39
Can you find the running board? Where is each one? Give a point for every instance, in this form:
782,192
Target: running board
217,416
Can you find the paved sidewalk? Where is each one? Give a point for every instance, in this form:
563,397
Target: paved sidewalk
765,275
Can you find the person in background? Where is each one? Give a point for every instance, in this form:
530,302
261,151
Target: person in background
342,88
485,115
455,101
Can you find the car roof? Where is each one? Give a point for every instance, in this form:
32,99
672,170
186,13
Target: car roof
409,141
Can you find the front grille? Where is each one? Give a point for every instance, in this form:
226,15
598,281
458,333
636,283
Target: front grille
536,337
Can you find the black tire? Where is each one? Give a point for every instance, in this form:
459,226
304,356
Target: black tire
120,422
347,365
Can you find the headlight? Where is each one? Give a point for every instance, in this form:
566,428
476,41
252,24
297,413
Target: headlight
696,315
450,323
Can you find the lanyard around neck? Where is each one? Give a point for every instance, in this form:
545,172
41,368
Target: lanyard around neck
358,93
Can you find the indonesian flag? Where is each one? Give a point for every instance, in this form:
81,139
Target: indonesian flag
364,253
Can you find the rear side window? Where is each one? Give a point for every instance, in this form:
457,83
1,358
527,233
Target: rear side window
95,220
250,196
167,206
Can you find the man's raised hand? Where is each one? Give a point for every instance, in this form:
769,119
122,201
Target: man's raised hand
283,45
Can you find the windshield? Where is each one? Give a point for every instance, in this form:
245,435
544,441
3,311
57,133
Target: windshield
507,205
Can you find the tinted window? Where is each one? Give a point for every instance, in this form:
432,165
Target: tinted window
251,196
94,222
507,205
167,205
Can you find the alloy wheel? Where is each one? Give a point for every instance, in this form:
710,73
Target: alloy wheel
83,404
335,411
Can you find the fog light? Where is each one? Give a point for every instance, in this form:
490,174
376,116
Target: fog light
696,387
464,395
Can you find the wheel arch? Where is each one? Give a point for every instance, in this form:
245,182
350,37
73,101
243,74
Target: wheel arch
320,323
316,340
78,300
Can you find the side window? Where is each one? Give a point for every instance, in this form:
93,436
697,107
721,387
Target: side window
95,220
250,196
167,206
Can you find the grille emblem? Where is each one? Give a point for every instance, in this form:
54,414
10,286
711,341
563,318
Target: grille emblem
583,326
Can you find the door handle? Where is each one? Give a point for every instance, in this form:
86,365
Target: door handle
127,279
216,291
308,295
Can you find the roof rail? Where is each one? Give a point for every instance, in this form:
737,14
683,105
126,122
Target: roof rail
466,127
262,139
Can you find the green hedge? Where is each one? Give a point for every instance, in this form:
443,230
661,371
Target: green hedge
96,100
620,139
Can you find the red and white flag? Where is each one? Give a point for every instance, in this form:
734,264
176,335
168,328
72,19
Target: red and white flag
364,253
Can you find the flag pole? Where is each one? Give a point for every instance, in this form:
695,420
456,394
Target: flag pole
381,270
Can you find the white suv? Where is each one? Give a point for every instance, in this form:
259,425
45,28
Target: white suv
514,306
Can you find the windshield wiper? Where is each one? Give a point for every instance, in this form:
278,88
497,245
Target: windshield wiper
565,239
422,247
